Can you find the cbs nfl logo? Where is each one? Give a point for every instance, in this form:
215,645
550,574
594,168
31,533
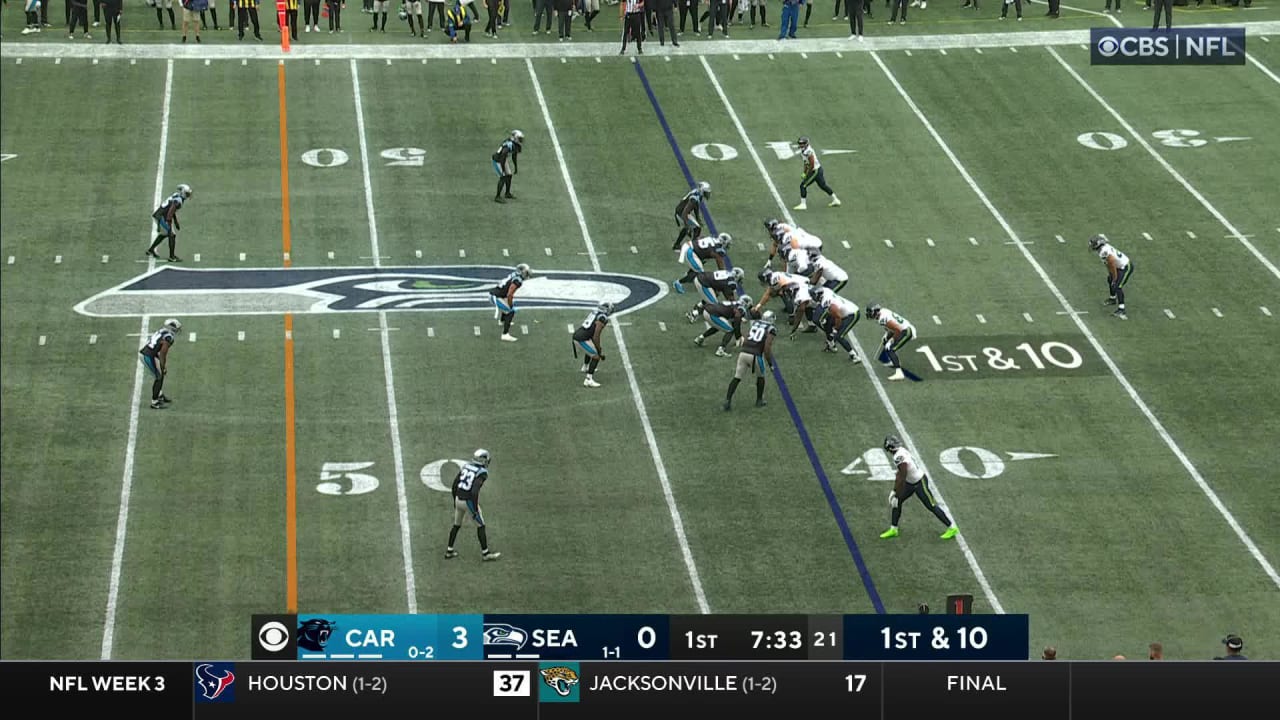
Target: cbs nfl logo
1180,46
274,637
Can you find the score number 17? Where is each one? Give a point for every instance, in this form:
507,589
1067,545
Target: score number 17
854,683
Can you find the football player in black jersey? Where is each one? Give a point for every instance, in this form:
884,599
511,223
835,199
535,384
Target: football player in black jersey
466,503
587,338
505,161
155,358
696,252
689,213
757,349
504,298
724,317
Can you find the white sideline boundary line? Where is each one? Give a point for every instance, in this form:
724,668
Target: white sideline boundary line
667,493
866,364
1084,329
131,444
524,51
1204,202
393,414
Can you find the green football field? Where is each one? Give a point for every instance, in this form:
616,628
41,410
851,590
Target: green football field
1112,479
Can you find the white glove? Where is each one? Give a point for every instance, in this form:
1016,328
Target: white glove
893,499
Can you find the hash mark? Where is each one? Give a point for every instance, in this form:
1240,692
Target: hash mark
191,337
524,329
736,57
330,254
458,61
476,329
973,242
937,320
388,61
337,333
1217,312
462,253
12,259
634,251
563,61
95,61
666,58
93,339
1264,310
492,61
195,257
761,246
1028,317
888,242
942,50
1147,236
133,61
770,56
57,61
662,326
42,339
240,336
1191,235
1170,314
431,332
908,53
1060,238
981,319
19,62
804,56
839,55
978,50
57,259
929,241
506,252
317,62
597,58
1013,49
1084,47
424,61
206,62
241,257
548,251
570,326
417,253
242,62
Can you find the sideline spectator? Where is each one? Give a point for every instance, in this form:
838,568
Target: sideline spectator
632,13
494,9
111,10
666,21
335,15
1234,645
168,7
311,15
564,18
1050,652
1119,657
213,12
790,13
541,8
436,7
1155,651
191,12
689,8
590,9
77,12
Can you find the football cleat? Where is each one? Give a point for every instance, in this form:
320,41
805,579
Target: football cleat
950,533
1121,314
590,382
450,553
692,316
897,375
699,340
679,286
508,337
835,202
1110,301
491,555
890,533
761,402
157,405
721,353
854,358
802,206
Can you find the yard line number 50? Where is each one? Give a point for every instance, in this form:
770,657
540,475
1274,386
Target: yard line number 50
334,157
348,478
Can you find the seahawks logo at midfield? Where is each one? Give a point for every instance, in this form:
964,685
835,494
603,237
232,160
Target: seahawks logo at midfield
184,291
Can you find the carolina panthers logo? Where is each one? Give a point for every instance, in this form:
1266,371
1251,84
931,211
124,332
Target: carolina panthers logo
212,684
560,678
314,633
503,634
185,291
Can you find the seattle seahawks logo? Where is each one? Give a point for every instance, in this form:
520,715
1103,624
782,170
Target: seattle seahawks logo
184,291
503,634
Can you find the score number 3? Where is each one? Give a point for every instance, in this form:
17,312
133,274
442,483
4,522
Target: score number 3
854,683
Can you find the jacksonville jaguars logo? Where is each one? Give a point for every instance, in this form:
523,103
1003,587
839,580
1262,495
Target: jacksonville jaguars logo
561,679
184,291
314,634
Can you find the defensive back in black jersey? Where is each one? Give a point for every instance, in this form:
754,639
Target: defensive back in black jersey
731,312
587,330
753,341
690,203
469,480
501,289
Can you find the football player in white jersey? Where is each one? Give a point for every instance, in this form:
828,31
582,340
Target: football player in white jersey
812,174
911,480
1119,270
898,331
155,358
837,316
824,272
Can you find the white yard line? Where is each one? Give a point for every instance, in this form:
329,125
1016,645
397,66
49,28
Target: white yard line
517,50
667,493
1244,240
868,362
393,414
1084,329
135,402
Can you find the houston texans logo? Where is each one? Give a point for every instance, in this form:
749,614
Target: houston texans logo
212,684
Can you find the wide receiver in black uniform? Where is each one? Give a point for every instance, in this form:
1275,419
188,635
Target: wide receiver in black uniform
587,339
689,213
466,503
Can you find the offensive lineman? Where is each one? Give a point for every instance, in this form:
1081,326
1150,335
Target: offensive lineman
587,337
826,273
837,317
757,349
898,331
689,213
504,298
466,503
155,358
1119,270
911,480
696,252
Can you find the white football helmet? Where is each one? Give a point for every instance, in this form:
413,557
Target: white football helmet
704,188
481,457
768,317
605,307
517,135
174,326
184,190
524,270
725,240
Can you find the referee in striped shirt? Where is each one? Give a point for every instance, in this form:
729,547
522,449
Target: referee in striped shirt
632,24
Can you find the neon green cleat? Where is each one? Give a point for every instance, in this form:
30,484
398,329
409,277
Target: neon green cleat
950,533
890,533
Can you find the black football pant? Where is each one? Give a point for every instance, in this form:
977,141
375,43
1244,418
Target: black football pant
1167,7
925,493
